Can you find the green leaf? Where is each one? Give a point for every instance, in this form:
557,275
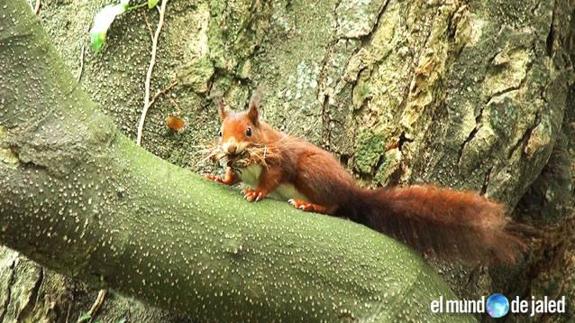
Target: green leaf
152,3
97,41
102,22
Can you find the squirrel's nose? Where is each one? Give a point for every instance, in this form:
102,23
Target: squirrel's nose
231,148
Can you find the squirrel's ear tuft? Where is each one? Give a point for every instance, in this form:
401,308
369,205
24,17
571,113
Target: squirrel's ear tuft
254,106
222,111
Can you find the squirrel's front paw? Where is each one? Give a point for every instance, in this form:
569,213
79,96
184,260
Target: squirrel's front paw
214,178
253,195
219,179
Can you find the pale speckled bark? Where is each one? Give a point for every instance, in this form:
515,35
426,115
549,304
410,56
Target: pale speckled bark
467,94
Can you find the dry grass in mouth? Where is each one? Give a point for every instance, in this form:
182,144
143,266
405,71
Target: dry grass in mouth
253,155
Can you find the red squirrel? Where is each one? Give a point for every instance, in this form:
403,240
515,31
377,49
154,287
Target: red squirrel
436,221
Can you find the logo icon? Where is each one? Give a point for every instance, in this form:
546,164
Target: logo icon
497,305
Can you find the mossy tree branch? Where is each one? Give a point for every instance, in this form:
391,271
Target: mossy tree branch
78,197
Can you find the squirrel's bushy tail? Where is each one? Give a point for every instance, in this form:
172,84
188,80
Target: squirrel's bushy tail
441,222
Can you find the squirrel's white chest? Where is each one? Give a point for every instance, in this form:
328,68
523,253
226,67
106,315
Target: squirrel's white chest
251,177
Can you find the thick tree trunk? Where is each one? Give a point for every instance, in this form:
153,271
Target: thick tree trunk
467,94
80,198
31,293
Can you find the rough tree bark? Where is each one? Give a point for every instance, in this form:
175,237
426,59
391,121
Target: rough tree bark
470,94
80,198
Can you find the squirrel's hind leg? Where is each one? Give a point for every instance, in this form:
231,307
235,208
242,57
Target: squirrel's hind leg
307,206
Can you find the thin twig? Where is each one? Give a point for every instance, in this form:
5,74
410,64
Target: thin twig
151,33
37,7
149,74
98,303
82,52
175,104
163,92
68,312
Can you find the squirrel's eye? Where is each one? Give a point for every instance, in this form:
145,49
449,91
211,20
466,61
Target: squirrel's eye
220,133
249,132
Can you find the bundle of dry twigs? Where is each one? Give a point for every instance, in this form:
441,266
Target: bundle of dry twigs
255,154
